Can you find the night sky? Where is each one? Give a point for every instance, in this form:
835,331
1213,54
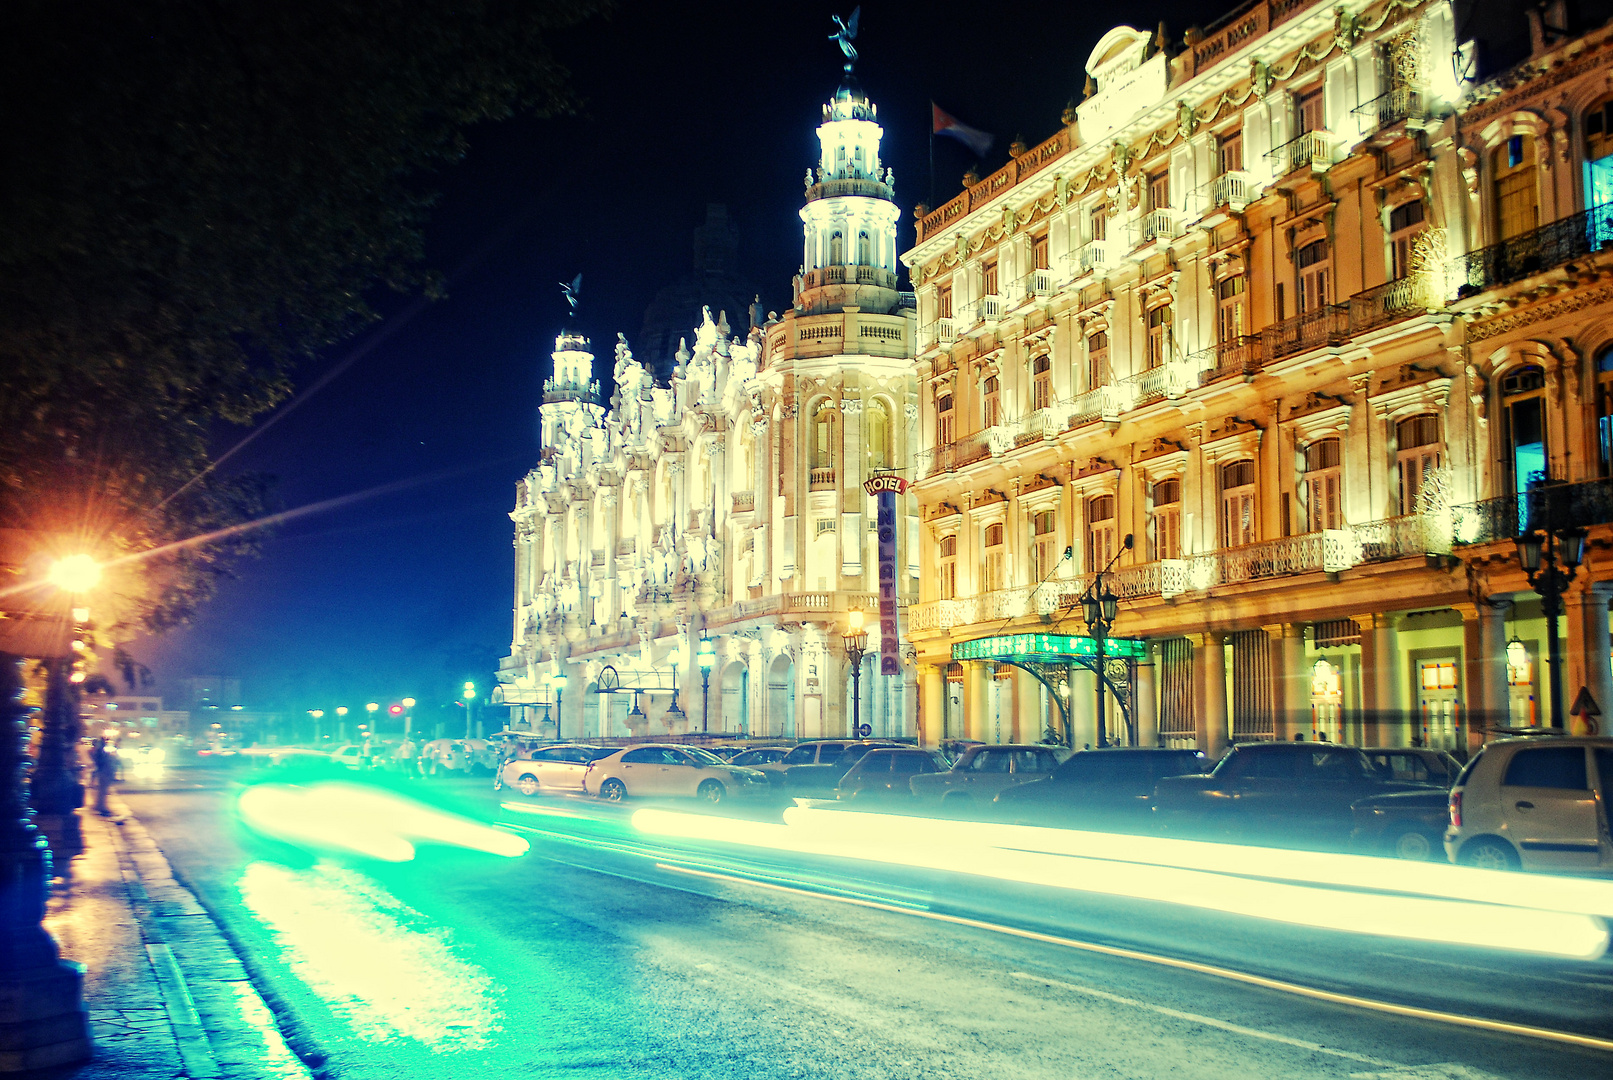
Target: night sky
408,591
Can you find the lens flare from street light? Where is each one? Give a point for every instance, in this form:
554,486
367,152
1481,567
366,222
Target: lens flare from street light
408,703
74,573
341,710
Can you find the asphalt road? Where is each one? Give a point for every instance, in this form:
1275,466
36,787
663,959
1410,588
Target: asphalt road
606,951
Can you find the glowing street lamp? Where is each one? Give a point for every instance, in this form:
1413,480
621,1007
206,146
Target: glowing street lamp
74,573
469,695
706,657
856,641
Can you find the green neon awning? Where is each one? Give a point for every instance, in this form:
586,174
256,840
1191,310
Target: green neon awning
1047,648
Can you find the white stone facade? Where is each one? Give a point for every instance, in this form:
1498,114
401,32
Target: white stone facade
729,505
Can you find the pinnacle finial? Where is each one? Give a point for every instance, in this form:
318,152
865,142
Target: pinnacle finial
845,35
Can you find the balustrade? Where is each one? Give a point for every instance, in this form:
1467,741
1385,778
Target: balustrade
1163,224
1313,150
819,479
1394,105
744,500
1326,325
1390,302
1534,252
1237,356
991,307
1233,190
1094,255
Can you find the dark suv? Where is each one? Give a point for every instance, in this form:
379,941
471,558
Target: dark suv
1282,794
1098,789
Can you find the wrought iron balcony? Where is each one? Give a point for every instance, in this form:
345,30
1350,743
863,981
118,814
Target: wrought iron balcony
1237,356
1094,255
1394,105
1232,190
949,457
1313,150
1391,302
1534,252
1551,504
1165,224
1326,325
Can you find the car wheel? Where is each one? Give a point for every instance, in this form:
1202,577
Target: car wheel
712,791
1414,845
1489,854
613,790
526,784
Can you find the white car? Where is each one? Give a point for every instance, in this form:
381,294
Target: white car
1533,804
551,769
654,769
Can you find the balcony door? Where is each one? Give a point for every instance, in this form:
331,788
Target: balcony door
1523,397
1238,512
1418,453
1100,532
996,567
1323,485
1314,264
1517,198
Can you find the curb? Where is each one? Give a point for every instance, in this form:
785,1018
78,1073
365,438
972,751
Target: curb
146,871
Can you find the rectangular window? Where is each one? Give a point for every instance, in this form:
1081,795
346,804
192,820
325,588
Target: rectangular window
1159,336
1167,519
943,302
1097,360
996,559
943,421
1229,152
1098,223
1314,264
1418,453
1159,191
949,567
1041,382
1100,532
1405,223
1309,112
1039,260
991,403
988,276
1229,309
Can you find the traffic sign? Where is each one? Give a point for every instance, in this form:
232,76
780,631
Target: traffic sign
864,730
1584,704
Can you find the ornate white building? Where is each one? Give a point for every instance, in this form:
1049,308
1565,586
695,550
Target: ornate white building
729,505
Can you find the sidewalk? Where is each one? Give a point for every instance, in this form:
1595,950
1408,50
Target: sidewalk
167,996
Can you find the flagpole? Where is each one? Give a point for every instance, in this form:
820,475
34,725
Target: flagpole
932,155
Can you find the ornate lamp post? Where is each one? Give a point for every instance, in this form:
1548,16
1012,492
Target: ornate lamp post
674,714
856,639
408,716
1549,558
469,695
1100,609
705,656
558,681
58,791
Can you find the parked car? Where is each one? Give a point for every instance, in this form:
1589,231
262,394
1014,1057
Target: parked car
1415,765
952,749
807,753
552,769
821,778
1098,789
884,774
1402,824
762,755
467,756
654,769
1534,804
982,771
349,756
1283,794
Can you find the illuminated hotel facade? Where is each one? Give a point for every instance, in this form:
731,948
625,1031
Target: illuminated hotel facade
1310,313
725,514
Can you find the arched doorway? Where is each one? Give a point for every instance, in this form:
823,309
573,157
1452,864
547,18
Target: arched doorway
781,696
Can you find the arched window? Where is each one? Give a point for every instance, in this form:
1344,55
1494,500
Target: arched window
837,248
1405,223
1604,409
1314,262
1323,486
1100,532
865,250
949,567
991,413
996,559
1517,198
1167,519
943,420
1239,524
1418,450
1159,336
1097,360
1229,320
823,417
1044,551
877,433
1041,382
1523,398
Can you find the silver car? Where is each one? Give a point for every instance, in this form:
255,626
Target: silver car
551,769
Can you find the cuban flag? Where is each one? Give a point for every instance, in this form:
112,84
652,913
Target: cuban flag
943,123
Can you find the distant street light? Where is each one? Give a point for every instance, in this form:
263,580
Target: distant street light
706,656
558,681
469,694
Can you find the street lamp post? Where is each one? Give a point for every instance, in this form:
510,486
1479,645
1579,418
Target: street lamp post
674,714
856,639
408,716
1549,558
1100,610
706,655
469,694
341,722
58,791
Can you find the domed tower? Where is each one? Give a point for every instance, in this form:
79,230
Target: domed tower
850,214
571,402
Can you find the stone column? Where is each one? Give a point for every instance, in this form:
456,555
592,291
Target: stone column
976,701
931,703
1210,692
1291,681
1147,718
1494,694
1083,718
1382,719
1588,661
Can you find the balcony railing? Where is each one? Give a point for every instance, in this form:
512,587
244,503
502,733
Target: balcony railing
1233,190
1534,252
944,332
991,307
1390,302
1034,428
743,501
948,457
1407,536
1326,325
1312,150
1238,356
1545,505
1039,283
821,479
1094,255
1165,224
1389,108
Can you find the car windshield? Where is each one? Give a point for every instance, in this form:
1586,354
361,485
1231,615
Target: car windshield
703,757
